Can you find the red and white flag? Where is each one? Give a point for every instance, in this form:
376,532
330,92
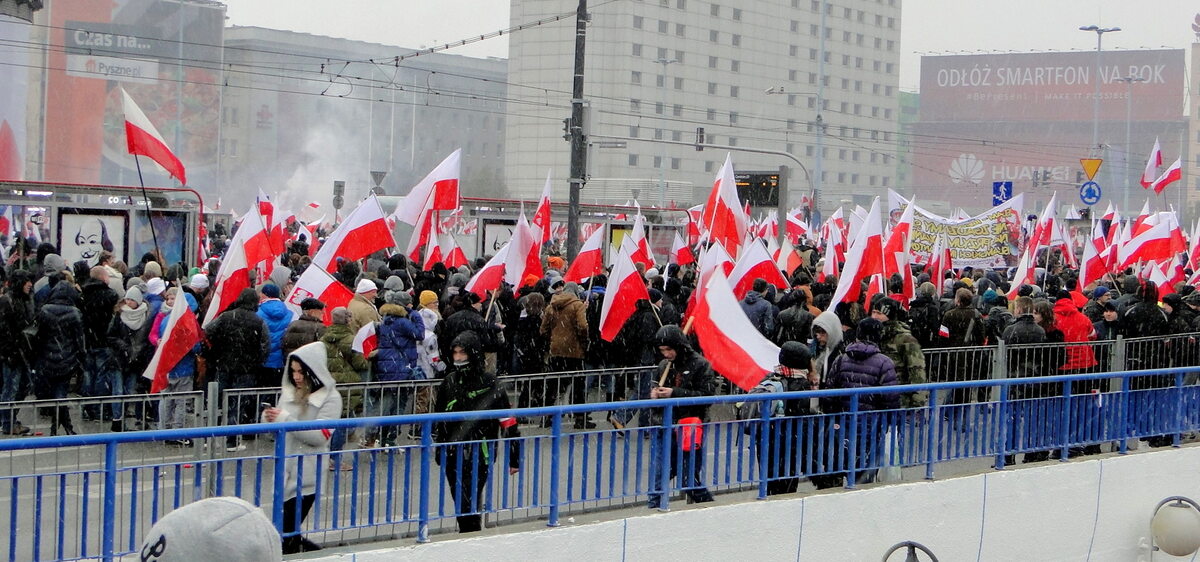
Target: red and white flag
273,222
730,342
438,191
788,259
1172,174
694,216
1093,267
754,263
796,228
681,254
364,231
723,219
897,251
252,234
452,254
864,259
625,288
541,217
637,236
523,255
318,284
488,278
143,139
1024,274
365,340
180,335
1154,243
1043,232
232,277
940,260
589,261
1152,165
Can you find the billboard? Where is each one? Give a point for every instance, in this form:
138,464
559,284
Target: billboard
1051,86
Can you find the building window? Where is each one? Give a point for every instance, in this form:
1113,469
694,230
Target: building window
660,80
841,154
662,26
662,53
637,49
733,91
812,54
733,117
658,161
658,134
808,150
680,29
714,10
633,160
846,13
845,36
711,114
635,77
637,22
854,156
814,29
635,106
841,177
858,39
878,43
712,88
713,35
793,50
658,107
791,124
709,165
795,27
712,62
812,102
737,14
736,40
887,113
733,141
681,4
845,83
677,110
858,85
679,83
676,135
889,67
792,75
812,78
679,56
815,6
891,45
853,179
885,181
871,180
875,65
633,130
735,66
674,163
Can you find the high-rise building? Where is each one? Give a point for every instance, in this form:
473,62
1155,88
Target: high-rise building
752,73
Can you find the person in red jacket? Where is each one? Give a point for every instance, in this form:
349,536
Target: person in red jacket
1078,329
1077,297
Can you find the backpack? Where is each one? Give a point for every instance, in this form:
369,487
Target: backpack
751,410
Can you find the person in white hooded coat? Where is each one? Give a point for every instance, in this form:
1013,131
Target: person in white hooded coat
306,393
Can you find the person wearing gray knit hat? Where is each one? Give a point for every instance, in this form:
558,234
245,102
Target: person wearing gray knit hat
135,294
225,529
393,283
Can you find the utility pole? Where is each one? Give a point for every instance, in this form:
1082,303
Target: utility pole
578,141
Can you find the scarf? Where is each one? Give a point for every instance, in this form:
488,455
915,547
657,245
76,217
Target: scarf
134,318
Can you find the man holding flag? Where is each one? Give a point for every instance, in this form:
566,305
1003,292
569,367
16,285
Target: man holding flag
685,374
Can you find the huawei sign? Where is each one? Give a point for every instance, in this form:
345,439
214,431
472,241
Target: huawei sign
966,168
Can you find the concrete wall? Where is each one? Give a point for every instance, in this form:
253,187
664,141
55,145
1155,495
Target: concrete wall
1092,510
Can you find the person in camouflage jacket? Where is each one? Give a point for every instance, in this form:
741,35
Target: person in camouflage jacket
902,347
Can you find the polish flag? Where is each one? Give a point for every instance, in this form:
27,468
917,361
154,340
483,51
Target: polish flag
489,277
179,337
143,139
1172,174
1194,247
864,259
366,340
1093,267
1153,244
730,342
433,250
1152,164
318,284
753,263
452,254
940,260
788,259
637,236
897,251
723,219
590,259
253,235
541,217
266,209
364,231
829,267
1043,232
1024,274
1141,218
422,235
232,277
796,228
694,216
681,254
314,244
625,288
523,255
438,191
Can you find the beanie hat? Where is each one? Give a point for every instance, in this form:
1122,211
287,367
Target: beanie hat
1099,292
135,294
888,306
555,262
340,315
870,330
365,286
989,296
795,355
135,282
225,528
270,290
199,282
394,283
655,295
427,298
156,286
311,304
152,269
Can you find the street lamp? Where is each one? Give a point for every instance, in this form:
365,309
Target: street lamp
662,169
1129,81
1100,31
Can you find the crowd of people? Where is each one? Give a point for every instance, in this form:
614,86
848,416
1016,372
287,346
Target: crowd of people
91,331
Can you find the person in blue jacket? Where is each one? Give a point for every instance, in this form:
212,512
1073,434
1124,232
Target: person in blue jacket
277,317
399,334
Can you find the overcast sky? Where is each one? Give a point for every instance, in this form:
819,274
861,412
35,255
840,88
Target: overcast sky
928,26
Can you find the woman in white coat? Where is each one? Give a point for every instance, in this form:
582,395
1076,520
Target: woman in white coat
307,393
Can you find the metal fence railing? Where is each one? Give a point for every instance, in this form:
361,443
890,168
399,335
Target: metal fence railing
96,495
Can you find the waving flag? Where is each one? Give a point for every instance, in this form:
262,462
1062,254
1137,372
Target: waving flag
1024,274
488,278
364,231
1152,165
366,340
179,337
754,263
589,261
625,288
541,217
143,139
452,254
681,254
897,251
1172,174
637,235
523,255
940,260
232,277
864,259
318,284
723,218
438,191
730,342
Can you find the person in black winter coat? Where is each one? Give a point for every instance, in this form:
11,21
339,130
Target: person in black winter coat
102,372
1143,324
759,310
59,344
635,345
237,343
795,373
17,321
472,444
469,319
795,321
925,314
685,374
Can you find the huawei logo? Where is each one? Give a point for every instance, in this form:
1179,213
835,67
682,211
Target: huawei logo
966,168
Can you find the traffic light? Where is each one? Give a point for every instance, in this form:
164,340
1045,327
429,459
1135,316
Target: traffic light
567,129
699,139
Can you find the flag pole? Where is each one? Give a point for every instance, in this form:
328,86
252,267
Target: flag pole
149,219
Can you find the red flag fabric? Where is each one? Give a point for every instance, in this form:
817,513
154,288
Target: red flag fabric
318,284
681,254
1173,173
723,218
232,277
252,234
1152,164
1153,244
589,261
541,217
625,288
940,261
523,255
788,259
753,263
897,251
864,259
438,191
489,277
1024,274
730,342
364,231
1093,267
366,340
452,254
637,235
181,334
274,227
143,139
796,227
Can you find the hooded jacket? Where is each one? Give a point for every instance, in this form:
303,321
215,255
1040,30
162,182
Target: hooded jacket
278,317
237,341
343,362
761,313
467,388
824,356
302,331
687,376
323,403
59,344
862,365
99,304
905,352
399,333
1076,328
16,316
565,322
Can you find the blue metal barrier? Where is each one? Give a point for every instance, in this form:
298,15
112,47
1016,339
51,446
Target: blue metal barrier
566,471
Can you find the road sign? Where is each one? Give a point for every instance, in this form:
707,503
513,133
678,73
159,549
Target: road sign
1001,192
1091,166
1089,193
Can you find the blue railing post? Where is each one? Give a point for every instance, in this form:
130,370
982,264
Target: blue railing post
1005,427
664,459
555,467
764,452
931,434
852,449
108,525
277,498
1124,431
1177,436
1064,432
425,481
